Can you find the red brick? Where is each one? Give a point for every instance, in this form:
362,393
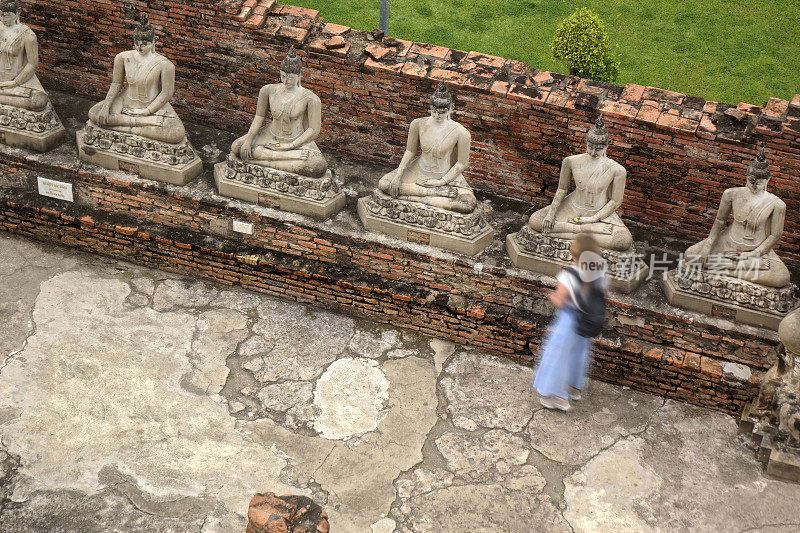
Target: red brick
633,92
776,107
617,109
449,76
335,29
377,51
678,123
706,129
337,41
711,367
430,50
662,95
735,114
648,114
297,35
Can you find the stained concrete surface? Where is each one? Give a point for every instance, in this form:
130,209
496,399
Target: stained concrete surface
136,400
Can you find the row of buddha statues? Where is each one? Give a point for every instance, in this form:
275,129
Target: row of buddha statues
426,199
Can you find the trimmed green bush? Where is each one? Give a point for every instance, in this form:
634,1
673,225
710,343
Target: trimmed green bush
581,44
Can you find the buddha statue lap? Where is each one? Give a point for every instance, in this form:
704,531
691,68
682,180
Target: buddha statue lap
279,163
27,119
543,244
736,267
427,199
135,127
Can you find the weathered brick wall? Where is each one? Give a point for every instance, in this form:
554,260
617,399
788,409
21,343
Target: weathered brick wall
647,345
681,151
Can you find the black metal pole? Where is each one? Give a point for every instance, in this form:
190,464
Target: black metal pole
383,23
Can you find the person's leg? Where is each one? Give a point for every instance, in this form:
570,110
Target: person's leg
552,373
581,361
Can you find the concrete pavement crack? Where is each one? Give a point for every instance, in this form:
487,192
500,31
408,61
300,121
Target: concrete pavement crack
762,526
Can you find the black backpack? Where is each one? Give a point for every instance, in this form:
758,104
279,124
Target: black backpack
591,308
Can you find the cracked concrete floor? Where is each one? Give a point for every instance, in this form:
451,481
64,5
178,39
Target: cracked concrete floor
136,400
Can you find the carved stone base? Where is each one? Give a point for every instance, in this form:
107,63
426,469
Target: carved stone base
419,223
551,255
39,131
779,459
685,293
315,197
177,164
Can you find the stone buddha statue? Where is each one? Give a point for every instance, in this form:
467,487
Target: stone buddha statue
426,198
142,107
735,272
592,206
278,163
135,128
287,141
19,59
744,248
26,117
543,244
435,177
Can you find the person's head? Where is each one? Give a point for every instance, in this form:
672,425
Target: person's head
597,139
291,68
441,103
588,257
9,12
758,173
144,36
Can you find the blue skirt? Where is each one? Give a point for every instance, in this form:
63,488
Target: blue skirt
565,357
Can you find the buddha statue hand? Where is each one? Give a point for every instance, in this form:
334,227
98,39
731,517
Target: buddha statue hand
278,147
246,151
584,220
548,223
430,182
397,180
7,84
743,256
105,111
447,192
135,112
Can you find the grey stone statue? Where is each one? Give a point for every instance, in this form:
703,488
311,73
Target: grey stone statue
278,163
135,127
27,119
287,141
592,206
142,106
773,420
543,244
746,245
435,177
736,267
426,199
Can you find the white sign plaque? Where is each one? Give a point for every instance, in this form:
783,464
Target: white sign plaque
55,189
242,227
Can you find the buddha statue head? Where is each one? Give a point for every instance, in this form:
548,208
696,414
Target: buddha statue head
9,12
597,139
144,36
441,103
291,69
758,173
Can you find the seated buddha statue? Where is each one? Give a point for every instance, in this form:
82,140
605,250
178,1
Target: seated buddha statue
287,141
744,249
142,107
591,207
19,59
435,177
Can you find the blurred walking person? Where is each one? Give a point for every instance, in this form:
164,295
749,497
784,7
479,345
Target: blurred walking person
580,301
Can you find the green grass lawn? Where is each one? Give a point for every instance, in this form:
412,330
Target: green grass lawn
726,50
